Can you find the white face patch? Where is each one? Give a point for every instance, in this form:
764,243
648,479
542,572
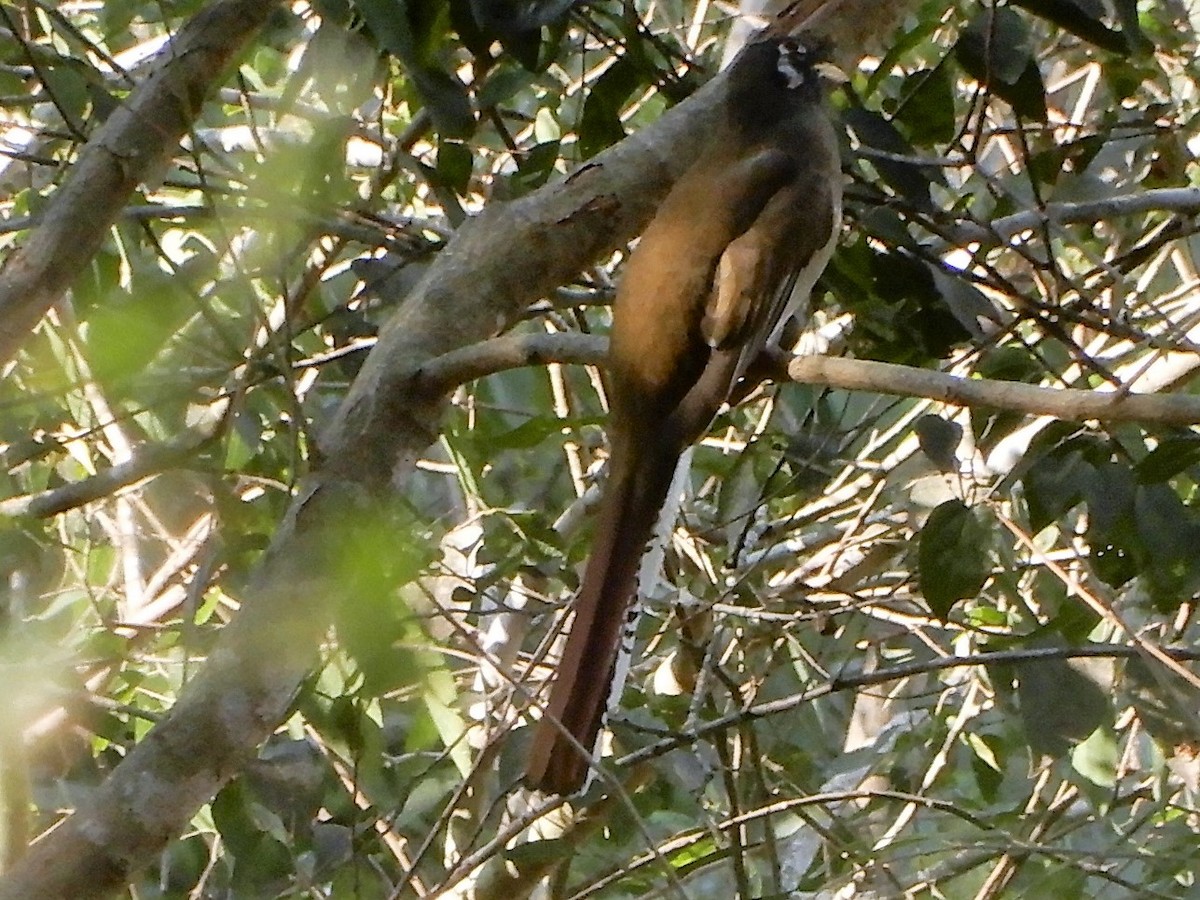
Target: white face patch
793,62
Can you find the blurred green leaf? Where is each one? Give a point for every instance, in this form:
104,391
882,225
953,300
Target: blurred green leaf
954,556
454,164
927,114
995,49
1063,701
1081,17
601,125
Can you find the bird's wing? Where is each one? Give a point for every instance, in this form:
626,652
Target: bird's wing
764,274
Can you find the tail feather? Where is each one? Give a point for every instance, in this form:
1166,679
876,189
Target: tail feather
636,490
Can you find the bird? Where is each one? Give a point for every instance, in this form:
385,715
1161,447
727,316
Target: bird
735,246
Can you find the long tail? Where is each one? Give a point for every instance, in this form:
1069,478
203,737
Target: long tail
638,483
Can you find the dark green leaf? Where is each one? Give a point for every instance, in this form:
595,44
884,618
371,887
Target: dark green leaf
231,816
909,180
454,164
260,866
1173,455
1165,705
600,126
1046,167
970,307
389,23
68,88
1054,484
447,100
1127,12
1063,701
536,853
502,83
995,50
1170,534
523,28
1080,17
526,435
927,114
1028,96
536,165
939,441
408,32
1109,497
954,556
1112,537
1009,363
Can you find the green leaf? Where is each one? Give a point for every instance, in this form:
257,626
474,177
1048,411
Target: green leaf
1131,25
995,50
440,698
1173,455
954,556
410,32
502,83
1116,550
909,180
454,165
1009,363
446,99
231,816
1168,536
537,854
927,114
1165,704
526,435
536,165
1055,483
971,308
600,126
994,47
1080,17
1098,757
939,441
1062,701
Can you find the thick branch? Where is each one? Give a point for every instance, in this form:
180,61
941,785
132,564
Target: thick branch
130,147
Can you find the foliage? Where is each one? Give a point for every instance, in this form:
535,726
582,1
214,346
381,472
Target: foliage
799,722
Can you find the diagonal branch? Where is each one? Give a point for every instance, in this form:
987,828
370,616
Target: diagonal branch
129,148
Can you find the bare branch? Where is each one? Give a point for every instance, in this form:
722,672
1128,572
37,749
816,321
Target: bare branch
512,351
1183,201
847,682
149,461
516,350
1060,403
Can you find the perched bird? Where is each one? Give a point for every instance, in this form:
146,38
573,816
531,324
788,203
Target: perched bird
738,242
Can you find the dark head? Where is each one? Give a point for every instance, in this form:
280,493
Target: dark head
769,78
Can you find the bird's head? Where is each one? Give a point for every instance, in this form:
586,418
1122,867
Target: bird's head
773,76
